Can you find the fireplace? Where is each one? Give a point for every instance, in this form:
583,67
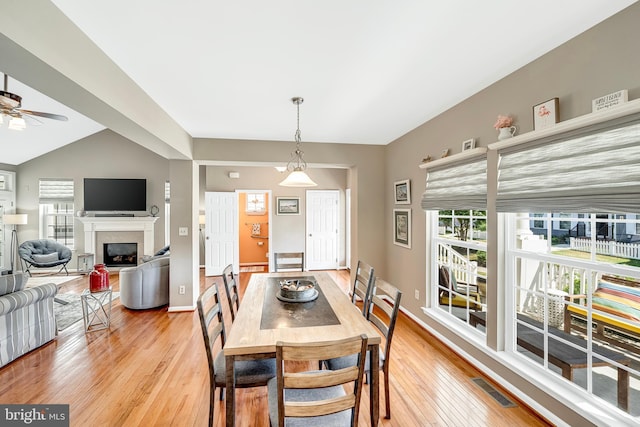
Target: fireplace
120,254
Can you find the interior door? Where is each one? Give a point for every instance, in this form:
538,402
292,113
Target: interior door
221,231
322,229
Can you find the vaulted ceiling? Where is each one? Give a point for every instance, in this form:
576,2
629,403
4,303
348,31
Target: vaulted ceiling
369,71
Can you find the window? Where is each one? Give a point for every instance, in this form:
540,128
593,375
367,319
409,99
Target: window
255,203
537,223
455,200
56,210
568,289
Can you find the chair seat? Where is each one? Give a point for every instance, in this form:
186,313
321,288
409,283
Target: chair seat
248,372
339,419
346,361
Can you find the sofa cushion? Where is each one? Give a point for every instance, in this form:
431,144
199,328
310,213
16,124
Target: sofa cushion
620,300
10,283
44,258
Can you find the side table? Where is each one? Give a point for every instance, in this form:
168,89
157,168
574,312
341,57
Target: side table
85,263
96,309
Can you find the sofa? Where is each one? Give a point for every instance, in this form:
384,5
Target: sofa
27,320
145,285
44,253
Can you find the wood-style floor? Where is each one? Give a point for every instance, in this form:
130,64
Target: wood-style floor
150,369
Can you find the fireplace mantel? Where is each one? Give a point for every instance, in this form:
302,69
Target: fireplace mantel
94,224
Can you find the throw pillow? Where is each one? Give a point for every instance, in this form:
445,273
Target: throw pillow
10,283
45,258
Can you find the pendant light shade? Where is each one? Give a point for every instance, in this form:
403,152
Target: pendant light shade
297,165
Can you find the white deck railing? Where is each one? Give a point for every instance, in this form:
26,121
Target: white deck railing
465,271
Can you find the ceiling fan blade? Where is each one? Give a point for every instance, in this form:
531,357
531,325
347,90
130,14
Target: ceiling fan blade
32,120
45,115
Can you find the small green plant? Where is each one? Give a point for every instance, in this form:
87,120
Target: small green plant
481,258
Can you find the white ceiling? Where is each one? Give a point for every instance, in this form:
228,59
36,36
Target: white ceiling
369,70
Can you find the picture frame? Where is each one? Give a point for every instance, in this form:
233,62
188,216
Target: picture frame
546,114
402,192
402,227
287,206
469,144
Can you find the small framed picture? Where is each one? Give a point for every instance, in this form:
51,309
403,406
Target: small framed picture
288,206
546,114
402,227
402,192
468,144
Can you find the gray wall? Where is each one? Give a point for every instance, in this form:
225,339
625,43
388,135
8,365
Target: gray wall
600,61
103,155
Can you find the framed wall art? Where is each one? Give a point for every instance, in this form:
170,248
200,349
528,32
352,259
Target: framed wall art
287,206
468,144
546,114
402,192
402,227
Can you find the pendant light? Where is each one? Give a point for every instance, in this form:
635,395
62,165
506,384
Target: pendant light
297,165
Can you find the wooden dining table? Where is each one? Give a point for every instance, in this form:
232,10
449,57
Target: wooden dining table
263,320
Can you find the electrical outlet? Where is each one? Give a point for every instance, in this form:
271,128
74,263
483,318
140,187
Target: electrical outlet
183,231
417,294
182,290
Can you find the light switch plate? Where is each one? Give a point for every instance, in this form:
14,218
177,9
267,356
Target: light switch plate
183,231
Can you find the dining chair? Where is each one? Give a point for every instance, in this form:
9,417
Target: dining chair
317,398
385,305
249,373
289,261
231,286
362,285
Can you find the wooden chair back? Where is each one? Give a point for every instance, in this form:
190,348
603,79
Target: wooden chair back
289,261
320,379
231,286
385,305
212,324
362,285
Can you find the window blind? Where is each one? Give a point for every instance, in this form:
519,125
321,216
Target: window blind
457,186
55,190
167,191
596,172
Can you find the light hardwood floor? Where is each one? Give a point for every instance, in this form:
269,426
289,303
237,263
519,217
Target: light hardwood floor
150,369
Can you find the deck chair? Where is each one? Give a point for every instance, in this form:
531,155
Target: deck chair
317,398
450,292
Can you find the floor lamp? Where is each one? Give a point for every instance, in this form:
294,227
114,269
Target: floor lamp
15,220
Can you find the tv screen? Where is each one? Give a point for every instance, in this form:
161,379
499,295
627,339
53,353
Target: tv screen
114,194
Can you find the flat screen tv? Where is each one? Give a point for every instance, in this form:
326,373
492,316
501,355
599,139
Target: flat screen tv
115,194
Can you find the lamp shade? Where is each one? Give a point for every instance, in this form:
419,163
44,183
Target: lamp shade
298,178
14,219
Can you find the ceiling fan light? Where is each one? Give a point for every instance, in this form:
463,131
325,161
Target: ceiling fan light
298,178
17,123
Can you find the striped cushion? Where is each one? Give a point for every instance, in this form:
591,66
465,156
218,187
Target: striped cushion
10,283
622,301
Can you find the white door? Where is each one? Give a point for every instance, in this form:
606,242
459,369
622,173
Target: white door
322,229
221,231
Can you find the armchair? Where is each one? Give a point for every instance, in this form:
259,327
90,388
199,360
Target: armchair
44,253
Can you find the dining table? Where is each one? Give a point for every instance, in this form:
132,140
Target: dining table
264,320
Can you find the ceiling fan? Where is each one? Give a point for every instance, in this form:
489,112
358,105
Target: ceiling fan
10,104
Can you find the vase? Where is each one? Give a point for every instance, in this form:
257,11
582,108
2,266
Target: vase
507,132
99,278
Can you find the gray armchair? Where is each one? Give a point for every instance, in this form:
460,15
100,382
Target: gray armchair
44,253
145,285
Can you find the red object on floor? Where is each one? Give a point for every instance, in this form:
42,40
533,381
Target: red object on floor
99,278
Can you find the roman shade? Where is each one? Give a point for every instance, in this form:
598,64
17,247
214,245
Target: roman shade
457,185
594,170
55,190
